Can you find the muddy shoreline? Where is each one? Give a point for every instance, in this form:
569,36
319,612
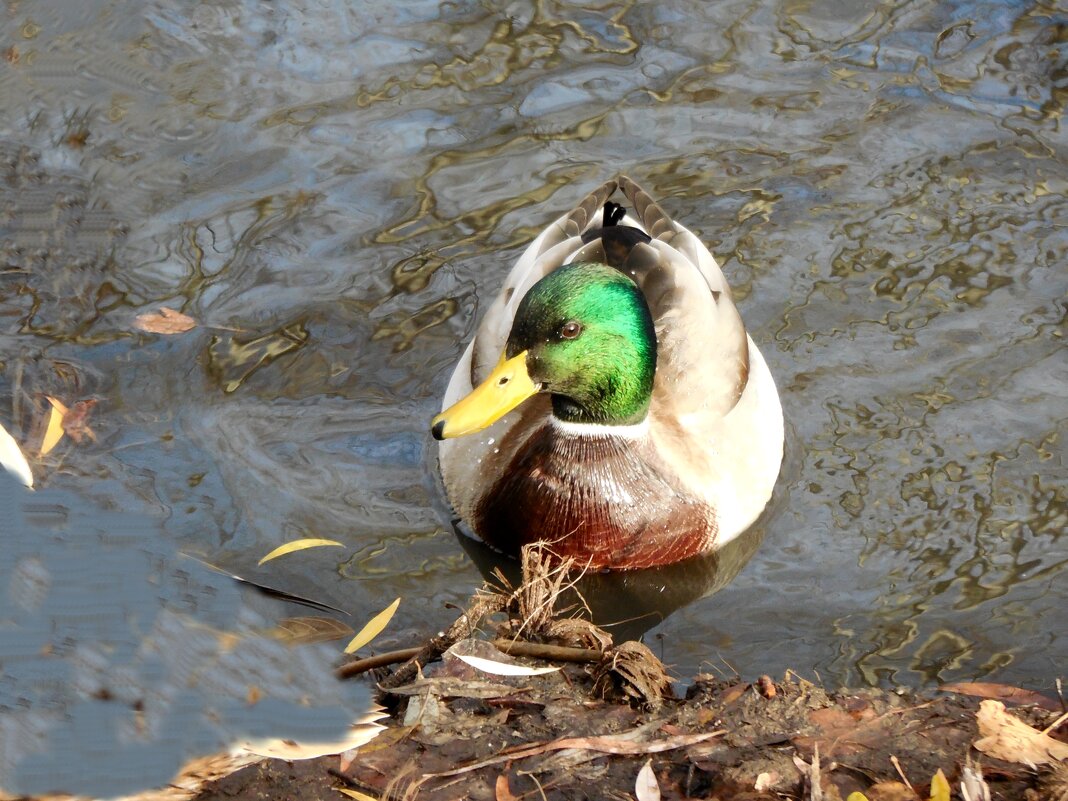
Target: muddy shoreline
726,739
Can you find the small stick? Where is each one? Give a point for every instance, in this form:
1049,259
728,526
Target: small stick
900,772
559,653
1055,723
464,626
358,666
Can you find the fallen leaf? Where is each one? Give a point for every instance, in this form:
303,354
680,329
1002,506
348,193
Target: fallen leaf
1005,737
504,668
1001,692
647,788
373,628
766,687
732,693
308,630
54,431
74,420
298,545
766,781
502,791
841,734
355,794
939,787
857,796
13,460
253,696
973,786
889,791
165,321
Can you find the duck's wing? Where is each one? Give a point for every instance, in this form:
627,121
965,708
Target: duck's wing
554,246
702,348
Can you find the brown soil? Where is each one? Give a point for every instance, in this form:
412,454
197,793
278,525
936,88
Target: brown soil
458,733
587,729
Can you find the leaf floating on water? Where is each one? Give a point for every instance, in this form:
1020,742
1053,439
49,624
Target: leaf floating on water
13,460
165,321
504,668
308,630
647,788
74,420
54,432
1001,692
1003,736
298,545
373,628
939,787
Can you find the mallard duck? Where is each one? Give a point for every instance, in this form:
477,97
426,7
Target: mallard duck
611,403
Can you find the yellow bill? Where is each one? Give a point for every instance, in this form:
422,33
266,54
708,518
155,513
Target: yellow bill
506,387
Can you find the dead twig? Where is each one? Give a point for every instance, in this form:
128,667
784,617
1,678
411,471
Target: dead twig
358,666
558,653
619,744
481,605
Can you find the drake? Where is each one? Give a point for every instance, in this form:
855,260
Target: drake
611,402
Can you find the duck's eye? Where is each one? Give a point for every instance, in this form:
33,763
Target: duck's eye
570,330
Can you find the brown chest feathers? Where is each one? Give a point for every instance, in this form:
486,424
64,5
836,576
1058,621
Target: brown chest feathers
606,501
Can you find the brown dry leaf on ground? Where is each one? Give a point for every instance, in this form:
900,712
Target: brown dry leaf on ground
1001,692
1005,737
165,321
502,790
843,733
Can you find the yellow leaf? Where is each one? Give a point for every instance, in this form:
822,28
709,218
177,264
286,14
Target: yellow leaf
298,545
373,628
855,796
355,794
54,432
939,787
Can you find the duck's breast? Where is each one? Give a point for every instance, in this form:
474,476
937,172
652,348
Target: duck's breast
608,501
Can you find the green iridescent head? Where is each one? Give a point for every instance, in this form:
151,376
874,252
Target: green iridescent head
590,342
584,335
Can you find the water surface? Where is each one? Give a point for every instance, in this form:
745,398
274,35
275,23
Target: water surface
333,189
